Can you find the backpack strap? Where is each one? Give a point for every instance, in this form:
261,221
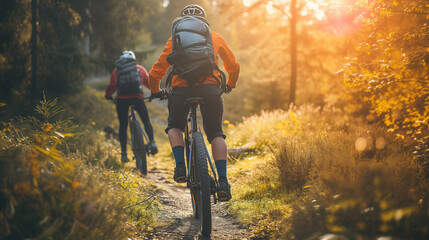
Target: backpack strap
169,79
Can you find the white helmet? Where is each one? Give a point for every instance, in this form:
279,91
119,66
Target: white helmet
193,10
127,54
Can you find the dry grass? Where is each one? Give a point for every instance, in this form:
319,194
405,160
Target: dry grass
338,176
62,185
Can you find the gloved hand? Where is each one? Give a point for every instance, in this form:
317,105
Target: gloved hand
227,89
109,98
162,94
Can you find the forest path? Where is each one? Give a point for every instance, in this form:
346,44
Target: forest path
176,216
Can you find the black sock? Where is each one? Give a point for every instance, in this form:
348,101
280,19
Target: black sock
179,155
221,168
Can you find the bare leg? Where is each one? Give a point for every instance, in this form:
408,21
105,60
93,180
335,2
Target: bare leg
219,148
175,136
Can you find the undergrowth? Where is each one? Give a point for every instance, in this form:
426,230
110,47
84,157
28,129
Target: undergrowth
320,173
63,181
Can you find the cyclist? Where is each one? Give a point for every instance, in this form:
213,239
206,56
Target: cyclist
127,78
211,110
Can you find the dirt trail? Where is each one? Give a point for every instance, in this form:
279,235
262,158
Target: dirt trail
177,218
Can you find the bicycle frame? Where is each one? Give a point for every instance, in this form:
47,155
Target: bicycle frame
199,179
193,122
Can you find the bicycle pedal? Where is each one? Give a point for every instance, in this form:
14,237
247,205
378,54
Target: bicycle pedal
223,197
182,179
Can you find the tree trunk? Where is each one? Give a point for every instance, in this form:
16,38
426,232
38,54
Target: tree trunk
33,85
293,50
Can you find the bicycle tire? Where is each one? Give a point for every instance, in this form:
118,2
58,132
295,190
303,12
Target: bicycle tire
195,179
141,164
203,195
138,146
192,175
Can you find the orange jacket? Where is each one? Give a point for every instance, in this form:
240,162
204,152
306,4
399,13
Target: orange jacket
220,46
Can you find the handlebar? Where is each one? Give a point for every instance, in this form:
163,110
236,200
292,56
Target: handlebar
164,95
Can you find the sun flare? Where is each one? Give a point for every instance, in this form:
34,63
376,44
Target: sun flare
313,7
329,15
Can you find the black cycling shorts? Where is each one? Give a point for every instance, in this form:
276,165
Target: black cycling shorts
211,109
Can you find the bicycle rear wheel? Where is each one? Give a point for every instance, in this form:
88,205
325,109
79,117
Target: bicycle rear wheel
202,195
138,146
141,163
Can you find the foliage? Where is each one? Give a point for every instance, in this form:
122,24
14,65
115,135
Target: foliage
142,211
62,64
45,130
258,200
327,176
391,64
260,31
48,193
271,126
422,154
376,201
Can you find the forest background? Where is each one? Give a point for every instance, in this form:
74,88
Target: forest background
366,62
378,48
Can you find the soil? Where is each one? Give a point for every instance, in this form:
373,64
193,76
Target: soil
176,216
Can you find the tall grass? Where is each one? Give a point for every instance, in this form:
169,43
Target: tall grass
52,187
333,175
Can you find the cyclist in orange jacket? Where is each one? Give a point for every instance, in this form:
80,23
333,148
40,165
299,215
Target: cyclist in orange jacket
212,110
130,95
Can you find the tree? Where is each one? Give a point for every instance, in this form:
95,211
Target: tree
62,64
391,64
265,30
33,51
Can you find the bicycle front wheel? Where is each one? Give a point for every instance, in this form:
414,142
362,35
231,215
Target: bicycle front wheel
203,193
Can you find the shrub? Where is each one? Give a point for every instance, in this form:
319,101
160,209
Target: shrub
358,193
376,200
348,178
48,193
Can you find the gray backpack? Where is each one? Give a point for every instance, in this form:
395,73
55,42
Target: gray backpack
128,74
192,56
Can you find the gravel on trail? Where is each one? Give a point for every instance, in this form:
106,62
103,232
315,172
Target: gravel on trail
176,216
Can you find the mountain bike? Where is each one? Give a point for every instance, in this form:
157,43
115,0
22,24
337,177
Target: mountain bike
138,137
202,185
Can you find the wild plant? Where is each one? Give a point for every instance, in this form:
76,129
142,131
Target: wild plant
48,192
334,175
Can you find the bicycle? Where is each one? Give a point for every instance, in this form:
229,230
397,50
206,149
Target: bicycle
138,137
201,184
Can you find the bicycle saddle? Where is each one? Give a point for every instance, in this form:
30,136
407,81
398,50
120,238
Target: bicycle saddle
194,100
